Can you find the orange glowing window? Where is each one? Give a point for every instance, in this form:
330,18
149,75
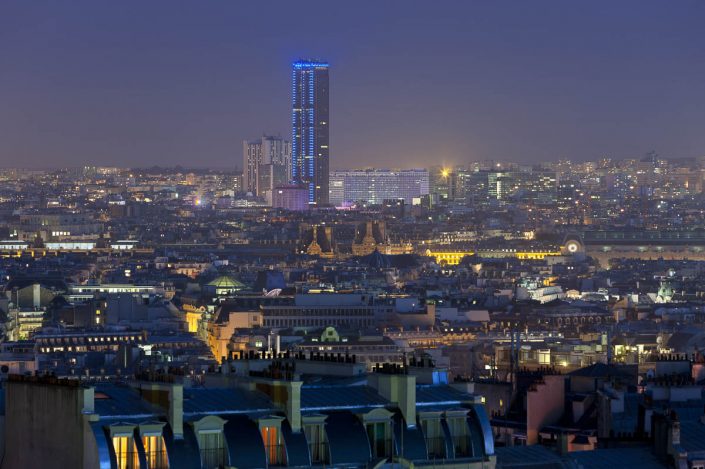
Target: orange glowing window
272,445
125,452
155,451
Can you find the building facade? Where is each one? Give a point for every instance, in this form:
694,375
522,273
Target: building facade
254,415
310,128
374,186
266,163
290,197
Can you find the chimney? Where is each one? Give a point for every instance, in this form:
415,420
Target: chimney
399,389
176,411
88,401
169,396
293,405
285,395
36,296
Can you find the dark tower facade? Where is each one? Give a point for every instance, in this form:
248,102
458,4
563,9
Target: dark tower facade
310,129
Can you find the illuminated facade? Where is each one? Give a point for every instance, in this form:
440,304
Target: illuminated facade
537,186
374,186
310,128
454,257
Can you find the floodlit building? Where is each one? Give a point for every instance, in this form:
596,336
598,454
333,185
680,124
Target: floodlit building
374,186
310,128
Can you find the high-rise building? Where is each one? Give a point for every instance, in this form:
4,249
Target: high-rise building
447,183
534,185
310,128
266,164
374,186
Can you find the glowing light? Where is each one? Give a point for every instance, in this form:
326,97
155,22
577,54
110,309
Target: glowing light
309,64
444,173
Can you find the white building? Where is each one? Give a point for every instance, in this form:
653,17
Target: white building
374,186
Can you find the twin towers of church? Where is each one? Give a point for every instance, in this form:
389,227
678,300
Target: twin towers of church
270,162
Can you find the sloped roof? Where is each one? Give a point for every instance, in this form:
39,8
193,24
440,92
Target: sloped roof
340,397
376,260
601,370
640,457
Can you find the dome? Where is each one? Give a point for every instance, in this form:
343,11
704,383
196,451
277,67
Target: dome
225,282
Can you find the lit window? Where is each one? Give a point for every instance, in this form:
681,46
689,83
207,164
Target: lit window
273,446
155,451
125,452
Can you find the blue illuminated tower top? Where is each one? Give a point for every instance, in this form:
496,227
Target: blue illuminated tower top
310,128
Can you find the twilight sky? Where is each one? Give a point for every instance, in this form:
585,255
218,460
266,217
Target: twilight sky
139,83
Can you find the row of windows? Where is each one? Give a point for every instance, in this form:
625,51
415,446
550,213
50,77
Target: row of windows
316,322
82,340
213,451
319,312
127,456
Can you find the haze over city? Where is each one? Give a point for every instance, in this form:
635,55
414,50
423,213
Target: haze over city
172,83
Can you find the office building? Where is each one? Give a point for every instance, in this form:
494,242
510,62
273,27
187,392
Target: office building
290,197
537,186
310,128
374,186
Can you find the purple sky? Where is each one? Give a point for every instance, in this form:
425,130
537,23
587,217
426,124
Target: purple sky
138,83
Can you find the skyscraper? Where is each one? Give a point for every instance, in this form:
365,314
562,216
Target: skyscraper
310,124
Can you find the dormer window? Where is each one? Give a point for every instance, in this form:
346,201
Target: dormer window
122,437
378,425
211,441
460,433
211,444
314,429
153,444
270,428
433,434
